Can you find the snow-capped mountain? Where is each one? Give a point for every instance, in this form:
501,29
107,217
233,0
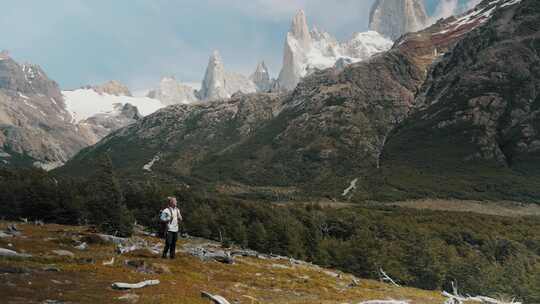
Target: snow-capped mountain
35,128
170,91
96,113
261,78
306,51
221,84
85,103
42,126
393,18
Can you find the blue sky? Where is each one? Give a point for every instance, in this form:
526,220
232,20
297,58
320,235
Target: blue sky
81,42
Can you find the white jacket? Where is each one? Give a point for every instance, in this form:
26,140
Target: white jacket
173,218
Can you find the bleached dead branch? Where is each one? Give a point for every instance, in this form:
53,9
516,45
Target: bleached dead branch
214,298
456,298
142,284
385,278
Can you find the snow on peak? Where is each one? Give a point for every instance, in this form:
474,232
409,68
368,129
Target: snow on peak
31,71
85,103
474,17
306,51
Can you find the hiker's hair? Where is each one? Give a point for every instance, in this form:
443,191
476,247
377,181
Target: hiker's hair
170,199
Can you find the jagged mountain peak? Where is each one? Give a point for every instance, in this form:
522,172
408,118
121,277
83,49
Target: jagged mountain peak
170,91
220,84
111,87
35,127
299,28
306,51
393,18
261,77
261,68
214,79
28,79
215,58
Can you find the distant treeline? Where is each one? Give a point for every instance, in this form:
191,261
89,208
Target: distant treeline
486,255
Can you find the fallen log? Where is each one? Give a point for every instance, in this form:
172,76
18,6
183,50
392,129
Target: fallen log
12,253
121,286
214,298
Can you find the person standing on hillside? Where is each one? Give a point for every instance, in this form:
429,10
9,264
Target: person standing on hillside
170,218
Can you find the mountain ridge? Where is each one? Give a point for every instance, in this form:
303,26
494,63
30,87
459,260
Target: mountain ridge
331,129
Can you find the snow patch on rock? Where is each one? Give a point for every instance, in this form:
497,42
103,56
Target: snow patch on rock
149,165
48,166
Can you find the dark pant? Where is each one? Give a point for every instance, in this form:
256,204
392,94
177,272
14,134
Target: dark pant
170,244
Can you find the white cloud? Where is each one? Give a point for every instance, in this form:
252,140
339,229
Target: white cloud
329,15
472,3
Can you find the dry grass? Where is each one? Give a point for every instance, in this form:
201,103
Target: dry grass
84,279
502,208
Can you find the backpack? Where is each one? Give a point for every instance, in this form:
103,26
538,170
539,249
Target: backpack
163,225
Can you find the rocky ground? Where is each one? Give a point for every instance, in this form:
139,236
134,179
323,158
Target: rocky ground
64,264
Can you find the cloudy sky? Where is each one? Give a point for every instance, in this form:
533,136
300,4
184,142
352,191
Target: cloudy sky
81,42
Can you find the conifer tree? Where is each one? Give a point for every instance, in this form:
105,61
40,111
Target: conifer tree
106,207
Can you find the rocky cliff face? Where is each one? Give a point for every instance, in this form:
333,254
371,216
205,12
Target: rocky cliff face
478,109
393,18
171,91
43,127
112,87
220,84
306,51
100,125
35,128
